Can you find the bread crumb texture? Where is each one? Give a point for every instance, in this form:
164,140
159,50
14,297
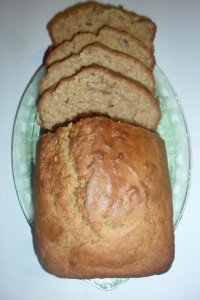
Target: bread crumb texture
113,38
100,55
103,203
101,91
91,16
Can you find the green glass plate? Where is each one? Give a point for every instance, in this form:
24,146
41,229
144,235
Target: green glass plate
172,129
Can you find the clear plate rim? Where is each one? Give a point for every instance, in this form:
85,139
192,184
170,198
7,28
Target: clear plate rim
189,144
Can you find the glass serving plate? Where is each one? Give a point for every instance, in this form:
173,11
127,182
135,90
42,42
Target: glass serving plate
172,129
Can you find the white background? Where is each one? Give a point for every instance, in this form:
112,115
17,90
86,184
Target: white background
23,40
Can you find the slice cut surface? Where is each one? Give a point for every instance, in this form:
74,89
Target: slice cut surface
90,16
112,38
103,56
96,90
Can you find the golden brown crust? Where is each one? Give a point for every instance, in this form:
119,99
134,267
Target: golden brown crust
99,8
103,201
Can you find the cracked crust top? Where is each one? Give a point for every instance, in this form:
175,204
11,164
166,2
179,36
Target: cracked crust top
103,201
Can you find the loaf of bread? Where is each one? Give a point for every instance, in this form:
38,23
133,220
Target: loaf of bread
103,204
110,37
91,16
95,90
103,201
102,56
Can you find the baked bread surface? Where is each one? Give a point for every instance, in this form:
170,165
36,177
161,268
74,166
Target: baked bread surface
103,204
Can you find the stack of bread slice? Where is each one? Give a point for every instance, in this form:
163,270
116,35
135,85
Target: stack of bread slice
101,63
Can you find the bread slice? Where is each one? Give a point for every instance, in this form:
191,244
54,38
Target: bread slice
103,203
90,16
111,37
103,56
96,90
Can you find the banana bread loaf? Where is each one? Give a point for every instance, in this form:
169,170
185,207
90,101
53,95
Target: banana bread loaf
91,16
103,56
103,204
95,90
110,37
